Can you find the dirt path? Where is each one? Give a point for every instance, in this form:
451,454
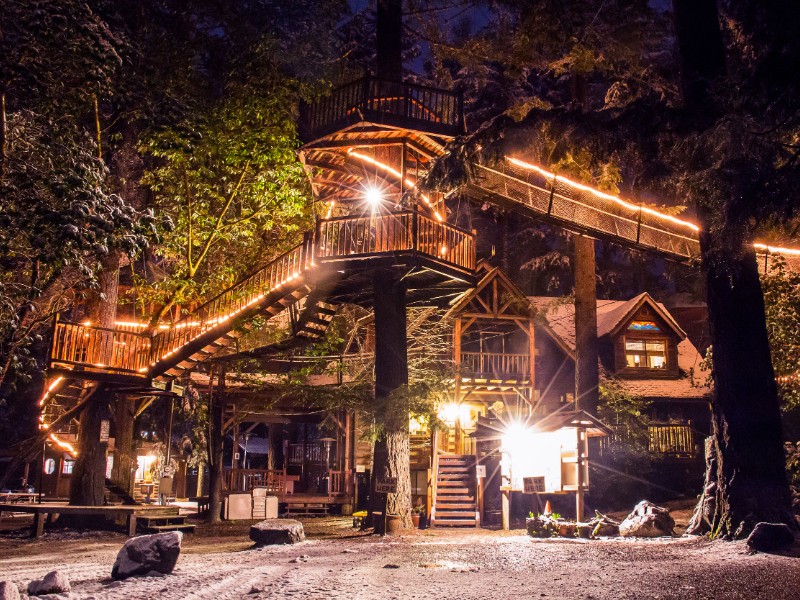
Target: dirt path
341,563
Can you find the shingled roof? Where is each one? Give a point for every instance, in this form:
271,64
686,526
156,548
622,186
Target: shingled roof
557,318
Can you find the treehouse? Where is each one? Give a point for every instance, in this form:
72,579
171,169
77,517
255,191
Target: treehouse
365,148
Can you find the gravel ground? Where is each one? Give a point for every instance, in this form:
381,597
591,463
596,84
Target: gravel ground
338,562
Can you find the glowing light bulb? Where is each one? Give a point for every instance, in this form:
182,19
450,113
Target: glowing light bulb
373,196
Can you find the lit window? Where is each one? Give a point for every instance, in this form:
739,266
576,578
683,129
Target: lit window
646,354
67,467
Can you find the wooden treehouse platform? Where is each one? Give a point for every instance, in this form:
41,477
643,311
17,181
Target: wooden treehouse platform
339,257
48,511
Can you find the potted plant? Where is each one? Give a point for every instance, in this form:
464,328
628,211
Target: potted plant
416,515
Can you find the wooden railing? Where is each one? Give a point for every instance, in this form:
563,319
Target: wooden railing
353,237
336,482
586,212
98,347
671,439
498,365
381,101
234,300
125,351
244,480
306,453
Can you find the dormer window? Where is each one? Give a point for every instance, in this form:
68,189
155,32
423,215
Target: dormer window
646,353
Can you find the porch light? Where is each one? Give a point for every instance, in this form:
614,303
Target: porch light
452,413
373,196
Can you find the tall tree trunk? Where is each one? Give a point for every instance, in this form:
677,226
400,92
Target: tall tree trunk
391,451
215,471
389,32
587,373
124,457
88,487
747,475
746,420
87,483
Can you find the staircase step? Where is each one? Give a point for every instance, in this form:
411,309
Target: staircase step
454,522
455,514
453,490
454,505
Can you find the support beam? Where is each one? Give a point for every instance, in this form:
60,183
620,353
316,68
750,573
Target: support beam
587,372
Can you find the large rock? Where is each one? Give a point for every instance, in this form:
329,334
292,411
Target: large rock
8,590
770,536
141,555
277,531
647,520
54,582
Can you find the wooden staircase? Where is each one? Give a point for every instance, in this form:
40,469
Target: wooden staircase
455,499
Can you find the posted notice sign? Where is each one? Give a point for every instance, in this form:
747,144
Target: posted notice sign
533,485
386,485
105,429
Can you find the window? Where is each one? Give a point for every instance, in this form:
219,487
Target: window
66,468
646,354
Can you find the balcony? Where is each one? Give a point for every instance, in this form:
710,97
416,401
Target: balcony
348,244
382,102
671,440
495,366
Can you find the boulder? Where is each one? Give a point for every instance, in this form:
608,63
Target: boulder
54,582
647,520
770,536
141,555
8,590
277,531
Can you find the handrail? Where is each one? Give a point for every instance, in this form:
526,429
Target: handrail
589,213
671,438
244,480
434,476
121,350
498,363
372,98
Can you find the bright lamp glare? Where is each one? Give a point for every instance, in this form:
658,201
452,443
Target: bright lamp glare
374,196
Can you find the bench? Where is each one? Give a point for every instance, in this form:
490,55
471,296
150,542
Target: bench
44,512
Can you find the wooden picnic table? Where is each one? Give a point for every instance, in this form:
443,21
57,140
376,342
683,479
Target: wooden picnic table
13,497
43,512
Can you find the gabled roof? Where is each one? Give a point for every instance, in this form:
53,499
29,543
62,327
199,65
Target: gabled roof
557,319
491,274
612,315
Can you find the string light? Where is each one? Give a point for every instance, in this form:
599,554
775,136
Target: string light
63,445
599,194
579,186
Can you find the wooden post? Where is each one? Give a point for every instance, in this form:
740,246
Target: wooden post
506,508
580,434
587,372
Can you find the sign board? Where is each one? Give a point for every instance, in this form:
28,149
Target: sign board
386,485
533,485
361,468
480,471
105,429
